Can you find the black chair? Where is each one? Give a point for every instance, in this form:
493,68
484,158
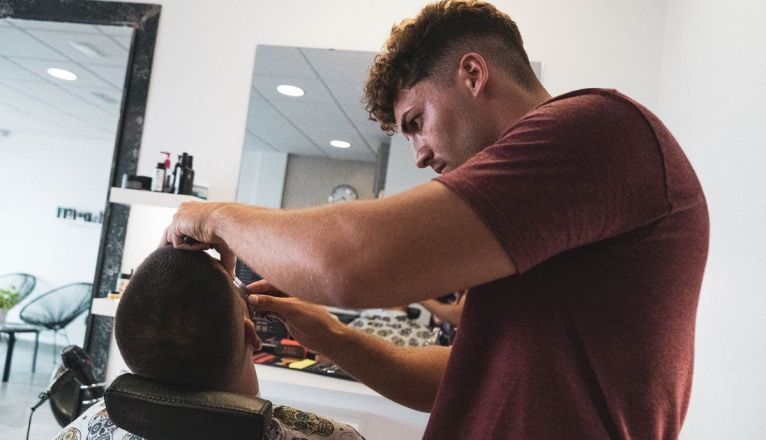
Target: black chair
22,283
55,309
157,411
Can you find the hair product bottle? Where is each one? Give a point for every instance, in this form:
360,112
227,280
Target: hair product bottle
158,181
187,179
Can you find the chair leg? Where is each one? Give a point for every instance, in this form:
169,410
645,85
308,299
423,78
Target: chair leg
37,345
55,348
8,356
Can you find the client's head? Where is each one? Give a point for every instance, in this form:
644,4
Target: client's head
182,320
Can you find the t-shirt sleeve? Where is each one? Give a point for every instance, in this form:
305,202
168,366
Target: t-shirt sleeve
570,173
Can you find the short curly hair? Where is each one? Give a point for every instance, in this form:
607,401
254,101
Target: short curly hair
418,47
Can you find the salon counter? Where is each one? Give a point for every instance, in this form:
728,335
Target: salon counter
374,416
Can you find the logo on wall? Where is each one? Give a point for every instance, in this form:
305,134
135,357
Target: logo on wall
83,216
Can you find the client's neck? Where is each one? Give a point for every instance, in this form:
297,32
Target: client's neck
244,379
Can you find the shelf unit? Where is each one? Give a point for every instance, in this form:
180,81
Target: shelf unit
129,197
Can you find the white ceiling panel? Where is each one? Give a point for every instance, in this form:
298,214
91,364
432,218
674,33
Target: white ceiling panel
103,49
350,99
322,123
106,98
36,102
255,143
330,109
113,75
314,89
123,33
281,134
16,43
53,25
353,153
84,77
340,64
69,103
282,62
12,119
11,71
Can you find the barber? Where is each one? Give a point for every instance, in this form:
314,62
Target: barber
577,222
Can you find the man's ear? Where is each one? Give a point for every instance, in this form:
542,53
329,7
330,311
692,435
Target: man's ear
250,336
473,72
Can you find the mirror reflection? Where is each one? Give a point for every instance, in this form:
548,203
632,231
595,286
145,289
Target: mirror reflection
61,88
309,140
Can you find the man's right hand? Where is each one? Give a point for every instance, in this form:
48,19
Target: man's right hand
407,375
310,324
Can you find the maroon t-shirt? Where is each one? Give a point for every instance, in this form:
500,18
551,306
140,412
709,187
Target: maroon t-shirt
598,207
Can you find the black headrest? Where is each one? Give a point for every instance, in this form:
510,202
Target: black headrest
157,411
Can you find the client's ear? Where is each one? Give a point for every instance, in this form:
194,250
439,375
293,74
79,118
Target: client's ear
250,336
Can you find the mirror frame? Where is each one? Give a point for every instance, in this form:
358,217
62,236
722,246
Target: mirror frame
144,19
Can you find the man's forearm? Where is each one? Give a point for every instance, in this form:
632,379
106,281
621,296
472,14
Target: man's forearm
372,253
407,375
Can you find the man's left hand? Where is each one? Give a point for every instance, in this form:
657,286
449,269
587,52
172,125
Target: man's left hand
193,228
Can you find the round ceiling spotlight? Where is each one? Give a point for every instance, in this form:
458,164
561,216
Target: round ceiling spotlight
62,74
289,90
340,144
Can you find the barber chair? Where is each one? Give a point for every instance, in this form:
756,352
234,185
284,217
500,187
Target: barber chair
158,411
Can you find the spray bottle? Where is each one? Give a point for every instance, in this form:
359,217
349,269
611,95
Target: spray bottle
166,187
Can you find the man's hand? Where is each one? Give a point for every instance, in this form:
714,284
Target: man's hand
310,324
407,375
193,228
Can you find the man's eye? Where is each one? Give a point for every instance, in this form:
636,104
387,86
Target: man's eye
415,124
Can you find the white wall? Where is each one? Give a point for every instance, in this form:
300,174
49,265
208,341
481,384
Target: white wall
310,180
402,174
713,98
200,82
262,178
38,174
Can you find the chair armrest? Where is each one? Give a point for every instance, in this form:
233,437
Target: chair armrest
158,411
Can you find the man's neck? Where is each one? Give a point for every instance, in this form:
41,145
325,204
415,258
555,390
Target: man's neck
513,103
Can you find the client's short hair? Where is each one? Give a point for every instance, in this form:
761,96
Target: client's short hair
176,319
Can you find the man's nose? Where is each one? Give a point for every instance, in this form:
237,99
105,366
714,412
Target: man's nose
423,156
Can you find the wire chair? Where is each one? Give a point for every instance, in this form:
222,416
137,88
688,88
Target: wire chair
22,283
55,309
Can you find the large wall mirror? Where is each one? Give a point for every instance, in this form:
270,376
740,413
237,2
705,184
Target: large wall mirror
74,79
309,140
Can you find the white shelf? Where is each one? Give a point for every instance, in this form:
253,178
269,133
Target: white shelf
104,306
129,197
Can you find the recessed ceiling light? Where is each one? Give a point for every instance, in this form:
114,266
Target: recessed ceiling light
289,90
340,144
62,74
87,49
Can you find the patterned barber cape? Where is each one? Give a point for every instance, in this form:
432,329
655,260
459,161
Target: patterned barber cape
395,327
285,424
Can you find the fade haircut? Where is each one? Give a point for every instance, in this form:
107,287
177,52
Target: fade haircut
177,320
428,45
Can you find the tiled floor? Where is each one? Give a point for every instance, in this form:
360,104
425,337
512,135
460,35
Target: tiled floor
20,393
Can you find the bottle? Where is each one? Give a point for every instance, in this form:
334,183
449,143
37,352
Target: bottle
177,174
165,159
123,281
158,181
187,178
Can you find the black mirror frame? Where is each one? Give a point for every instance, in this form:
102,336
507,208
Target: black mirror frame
144,18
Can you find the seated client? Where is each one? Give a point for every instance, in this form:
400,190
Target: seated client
182,321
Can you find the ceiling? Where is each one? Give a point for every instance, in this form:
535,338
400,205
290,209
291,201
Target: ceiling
31,101
331,107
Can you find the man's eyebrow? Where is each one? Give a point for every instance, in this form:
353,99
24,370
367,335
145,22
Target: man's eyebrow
405,126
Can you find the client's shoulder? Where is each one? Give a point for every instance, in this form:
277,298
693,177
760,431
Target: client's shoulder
289,422
95,423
